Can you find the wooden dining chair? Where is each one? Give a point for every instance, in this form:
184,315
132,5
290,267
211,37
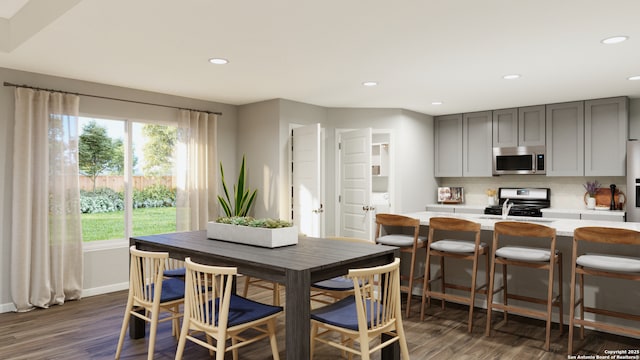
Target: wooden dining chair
272,286
469,250
373,310
609,265
408,243
546,258
174,268
334,289
149,290
212,308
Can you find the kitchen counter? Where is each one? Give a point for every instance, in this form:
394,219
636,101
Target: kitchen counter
531,283
564,227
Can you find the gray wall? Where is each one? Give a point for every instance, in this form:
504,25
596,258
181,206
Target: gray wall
258,139
412,155
105,269
268,160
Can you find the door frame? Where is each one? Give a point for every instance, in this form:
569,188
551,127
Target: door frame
338,174
323,178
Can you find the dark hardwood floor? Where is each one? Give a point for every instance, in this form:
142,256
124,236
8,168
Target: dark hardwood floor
89,328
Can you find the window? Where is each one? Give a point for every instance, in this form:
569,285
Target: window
127,180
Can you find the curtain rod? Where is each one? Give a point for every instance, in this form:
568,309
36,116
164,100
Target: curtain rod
109,98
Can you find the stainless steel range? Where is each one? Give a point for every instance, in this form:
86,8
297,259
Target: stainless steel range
525,201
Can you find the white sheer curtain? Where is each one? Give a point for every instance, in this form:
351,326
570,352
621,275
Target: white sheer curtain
196,170
46,235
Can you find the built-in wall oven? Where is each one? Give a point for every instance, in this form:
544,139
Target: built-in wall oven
518,160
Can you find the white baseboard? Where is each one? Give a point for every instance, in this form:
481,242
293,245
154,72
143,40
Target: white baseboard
105,289
9,307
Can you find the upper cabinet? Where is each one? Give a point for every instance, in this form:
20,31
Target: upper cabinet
476,144
565,139
519,127
582,138
531,126
606,123
463,145
448,145
587,138
505,128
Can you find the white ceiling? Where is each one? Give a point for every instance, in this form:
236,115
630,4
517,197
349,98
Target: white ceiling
319,52
8,8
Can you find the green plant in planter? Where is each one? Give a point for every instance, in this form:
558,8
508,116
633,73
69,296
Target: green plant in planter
242,196
249,221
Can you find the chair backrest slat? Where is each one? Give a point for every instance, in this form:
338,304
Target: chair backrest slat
398,221
377,295
207,286
146,273
607,235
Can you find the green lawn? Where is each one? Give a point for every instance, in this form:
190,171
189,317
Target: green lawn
146,221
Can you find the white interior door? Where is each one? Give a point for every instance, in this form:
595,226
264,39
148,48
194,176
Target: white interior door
307,195
355,184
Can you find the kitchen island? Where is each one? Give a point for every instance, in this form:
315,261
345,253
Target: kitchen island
564,227
619,295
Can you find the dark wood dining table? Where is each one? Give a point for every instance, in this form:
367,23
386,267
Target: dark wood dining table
294,266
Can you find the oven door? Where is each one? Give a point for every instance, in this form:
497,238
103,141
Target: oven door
518,160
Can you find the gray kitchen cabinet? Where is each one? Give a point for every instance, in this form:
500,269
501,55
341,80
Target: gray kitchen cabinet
565,139
546,213
441,209
519,126
606,123
505,127
531,125
448,145
616,216
477,144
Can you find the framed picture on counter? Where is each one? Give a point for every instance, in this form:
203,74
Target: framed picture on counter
450,195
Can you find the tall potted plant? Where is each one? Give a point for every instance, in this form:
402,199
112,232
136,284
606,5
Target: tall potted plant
238,227
242,199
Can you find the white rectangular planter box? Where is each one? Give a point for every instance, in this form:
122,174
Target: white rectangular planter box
263,237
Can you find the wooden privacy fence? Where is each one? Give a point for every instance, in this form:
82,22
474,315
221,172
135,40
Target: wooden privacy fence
116,183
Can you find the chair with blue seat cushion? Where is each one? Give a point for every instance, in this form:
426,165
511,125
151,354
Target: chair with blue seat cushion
609,265
373,310
458,248
408,242
331,290
211,307
174,268
149,290
543,258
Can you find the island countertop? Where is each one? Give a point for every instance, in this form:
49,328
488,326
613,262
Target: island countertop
564,227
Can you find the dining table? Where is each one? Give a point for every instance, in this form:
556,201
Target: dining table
294,266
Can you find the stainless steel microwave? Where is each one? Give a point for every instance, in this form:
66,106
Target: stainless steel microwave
518,160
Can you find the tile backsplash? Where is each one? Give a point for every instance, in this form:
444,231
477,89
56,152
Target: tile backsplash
566,192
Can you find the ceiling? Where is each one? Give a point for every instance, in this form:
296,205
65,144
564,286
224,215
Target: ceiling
320,52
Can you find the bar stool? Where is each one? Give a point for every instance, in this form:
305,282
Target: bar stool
606,265
457,249
530,257
407,244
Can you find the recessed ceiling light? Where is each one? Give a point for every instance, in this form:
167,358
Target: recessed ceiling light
511,77
218,61
637,77
436,103
370,83
614,39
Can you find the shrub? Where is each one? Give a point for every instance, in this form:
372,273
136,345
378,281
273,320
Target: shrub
102,201
154,196
107,200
